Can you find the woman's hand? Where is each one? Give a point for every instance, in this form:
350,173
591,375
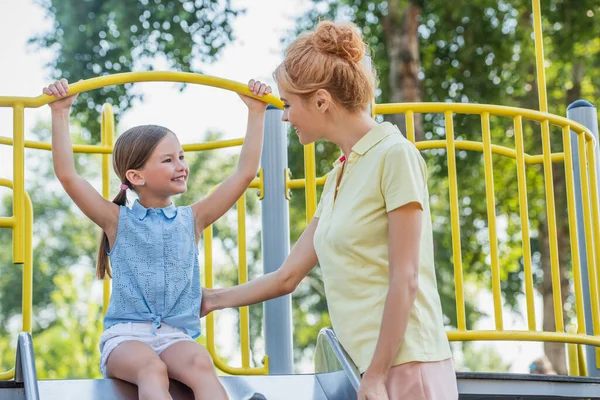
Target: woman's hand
372,387
59,89
258,89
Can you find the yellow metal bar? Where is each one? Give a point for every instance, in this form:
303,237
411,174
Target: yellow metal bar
591,156
465,108
524,212
27,297
478,146
77,148
27,278
19,184
5,376
243,278
7,222
488,167
108,137
539,55
552,235
455,222
210,318
588,228
572,355
149,76
410,126
577,283
523,336
220,144
261,184
301,183
310,174
581,359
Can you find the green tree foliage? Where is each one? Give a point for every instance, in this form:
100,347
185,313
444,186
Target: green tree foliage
99,37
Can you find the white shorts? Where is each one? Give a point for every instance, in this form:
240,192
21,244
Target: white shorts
159,341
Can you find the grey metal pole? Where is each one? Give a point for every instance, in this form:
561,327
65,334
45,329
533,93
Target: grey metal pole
366,61
276,241
584,112
25,371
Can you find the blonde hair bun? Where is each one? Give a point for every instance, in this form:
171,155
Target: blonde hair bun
341,39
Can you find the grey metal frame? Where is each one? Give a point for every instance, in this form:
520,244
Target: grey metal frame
25,371
584,112
276,241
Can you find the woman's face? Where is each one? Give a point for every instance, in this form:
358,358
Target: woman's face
303,115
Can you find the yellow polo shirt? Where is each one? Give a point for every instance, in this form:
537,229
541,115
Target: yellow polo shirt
384,171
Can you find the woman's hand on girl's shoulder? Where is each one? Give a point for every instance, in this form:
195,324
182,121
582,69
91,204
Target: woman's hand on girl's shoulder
258,89
59,89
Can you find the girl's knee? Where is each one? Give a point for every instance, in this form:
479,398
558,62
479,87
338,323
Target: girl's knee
155,370
202,363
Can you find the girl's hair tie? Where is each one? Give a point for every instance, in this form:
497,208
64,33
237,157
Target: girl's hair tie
124,186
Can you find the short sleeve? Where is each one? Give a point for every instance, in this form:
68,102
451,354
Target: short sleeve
403,177
326,189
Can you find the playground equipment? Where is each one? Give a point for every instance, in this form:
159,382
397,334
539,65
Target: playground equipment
335,376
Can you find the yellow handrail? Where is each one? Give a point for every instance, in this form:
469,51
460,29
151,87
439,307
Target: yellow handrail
133,77
27,295
587,162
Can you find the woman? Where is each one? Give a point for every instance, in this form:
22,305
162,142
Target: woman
371,233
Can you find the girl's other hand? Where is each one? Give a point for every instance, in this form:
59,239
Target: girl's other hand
258,89
59,89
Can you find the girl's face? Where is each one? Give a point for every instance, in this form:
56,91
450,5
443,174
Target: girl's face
303,116
166,171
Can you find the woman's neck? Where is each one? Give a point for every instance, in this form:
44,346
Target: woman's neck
348,129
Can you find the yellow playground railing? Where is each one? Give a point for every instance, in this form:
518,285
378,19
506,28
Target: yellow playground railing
574,336
585,143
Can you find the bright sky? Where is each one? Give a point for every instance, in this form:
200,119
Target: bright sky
255,54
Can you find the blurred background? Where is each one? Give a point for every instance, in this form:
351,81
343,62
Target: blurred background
476,51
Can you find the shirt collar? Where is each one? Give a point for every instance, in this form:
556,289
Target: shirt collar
140,211
370,139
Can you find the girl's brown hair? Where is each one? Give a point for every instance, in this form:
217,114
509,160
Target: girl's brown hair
132,150
329,58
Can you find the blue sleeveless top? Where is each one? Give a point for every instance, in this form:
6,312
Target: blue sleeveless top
155,269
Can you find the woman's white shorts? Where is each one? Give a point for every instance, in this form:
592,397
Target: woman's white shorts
160,340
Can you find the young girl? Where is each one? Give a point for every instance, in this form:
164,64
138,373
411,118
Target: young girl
154,309
371,233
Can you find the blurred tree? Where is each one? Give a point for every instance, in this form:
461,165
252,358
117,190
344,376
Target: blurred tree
101,37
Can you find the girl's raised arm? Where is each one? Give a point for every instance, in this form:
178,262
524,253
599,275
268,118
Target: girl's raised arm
211,208
103,212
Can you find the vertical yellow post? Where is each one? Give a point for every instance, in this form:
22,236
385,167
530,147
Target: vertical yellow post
19,184
591,156
107,133
27,299
552,234
208,282
577,282
310,175
524,211
243,278
539,55
410,126
455,223
491,214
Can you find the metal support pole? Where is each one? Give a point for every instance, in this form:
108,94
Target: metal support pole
25,371
584,112
366,62
276,241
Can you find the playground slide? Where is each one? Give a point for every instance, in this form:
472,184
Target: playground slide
336,378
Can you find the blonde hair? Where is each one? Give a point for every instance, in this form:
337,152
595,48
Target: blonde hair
329,58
